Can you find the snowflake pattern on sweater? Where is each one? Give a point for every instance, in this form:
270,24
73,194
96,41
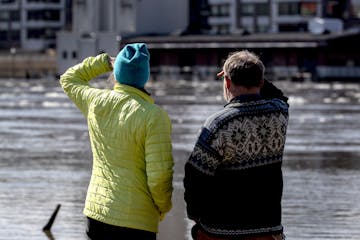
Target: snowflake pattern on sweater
243,135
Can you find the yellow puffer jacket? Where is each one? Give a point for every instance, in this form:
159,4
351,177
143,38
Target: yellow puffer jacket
131,182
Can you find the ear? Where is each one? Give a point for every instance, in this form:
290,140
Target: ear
227,82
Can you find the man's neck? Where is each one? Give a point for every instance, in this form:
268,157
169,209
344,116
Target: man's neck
240,90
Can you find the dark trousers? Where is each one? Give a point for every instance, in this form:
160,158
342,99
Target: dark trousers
199,234
101,231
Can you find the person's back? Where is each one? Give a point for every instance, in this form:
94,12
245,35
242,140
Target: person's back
122,123
131,183
233,178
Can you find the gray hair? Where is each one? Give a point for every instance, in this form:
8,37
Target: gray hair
244,68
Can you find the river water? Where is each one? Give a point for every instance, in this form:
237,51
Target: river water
45,157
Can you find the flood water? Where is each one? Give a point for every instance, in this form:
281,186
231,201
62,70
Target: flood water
45,157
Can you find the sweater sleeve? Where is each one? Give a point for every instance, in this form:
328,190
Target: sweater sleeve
194,194
75,81
199,176
159,160
197,185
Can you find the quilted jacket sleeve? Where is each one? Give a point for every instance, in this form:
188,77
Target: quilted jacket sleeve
75,80
159,161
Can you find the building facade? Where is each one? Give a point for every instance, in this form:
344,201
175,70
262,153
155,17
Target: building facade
287,56
273,16
31,24
98,26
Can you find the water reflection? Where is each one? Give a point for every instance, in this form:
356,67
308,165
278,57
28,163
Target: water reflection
45,157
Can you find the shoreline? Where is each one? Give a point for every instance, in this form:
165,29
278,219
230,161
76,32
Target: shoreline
25,64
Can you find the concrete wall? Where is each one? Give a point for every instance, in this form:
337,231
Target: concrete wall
67,48
161,17
73,48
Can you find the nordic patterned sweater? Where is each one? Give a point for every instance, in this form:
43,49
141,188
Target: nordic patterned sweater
233,178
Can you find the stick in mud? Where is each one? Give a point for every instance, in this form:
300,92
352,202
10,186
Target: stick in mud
48,226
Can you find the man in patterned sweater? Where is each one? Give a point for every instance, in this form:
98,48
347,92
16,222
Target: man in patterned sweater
233,178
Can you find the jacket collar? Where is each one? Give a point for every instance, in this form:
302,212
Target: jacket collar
142,93
244,98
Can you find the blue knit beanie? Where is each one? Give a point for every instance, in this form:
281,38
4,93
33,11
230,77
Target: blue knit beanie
132,65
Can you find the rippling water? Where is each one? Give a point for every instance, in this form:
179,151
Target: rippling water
45,157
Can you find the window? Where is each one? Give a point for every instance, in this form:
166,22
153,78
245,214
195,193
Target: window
15,15
220,10
296,27
263,9
224,10
50,33
50,15
43,1
308,9
289,8
126,4
64,54
248,29
6,16
3,35
253,9
296,8
214,10
35,33
34,15
74,54
224,29
13,35
263,28
356,10
247,9
335,8
7,1
221,29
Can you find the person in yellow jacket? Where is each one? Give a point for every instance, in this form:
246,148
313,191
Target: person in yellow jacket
131,183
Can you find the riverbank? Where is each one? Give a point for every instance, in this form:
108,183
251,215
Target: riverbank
25,64
30,65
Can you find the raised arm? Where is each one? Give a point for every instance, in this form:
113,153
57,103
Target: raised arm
75,81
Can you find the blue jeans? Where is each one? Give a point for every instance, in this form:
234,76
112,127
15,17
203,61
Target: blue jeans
101,231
